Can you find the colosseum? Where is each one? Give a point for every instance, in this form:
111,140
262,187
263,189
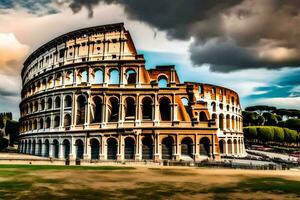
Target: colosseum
88,95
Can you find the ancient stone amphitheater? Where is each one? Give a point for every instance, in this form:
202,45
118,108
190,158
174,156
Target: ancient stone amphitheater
87,95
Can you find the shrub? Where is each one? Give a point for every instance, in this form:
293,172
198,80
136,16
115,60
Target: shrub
266,134
252,132
290,136
278,134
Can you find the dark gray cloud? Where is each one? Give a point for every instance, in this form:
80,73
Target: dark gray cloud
230,35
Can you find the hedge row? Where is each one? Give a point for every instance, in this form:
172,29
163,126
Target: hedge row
271,134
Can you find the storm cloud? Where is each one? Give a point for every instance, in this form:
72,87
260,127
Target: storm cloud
229,35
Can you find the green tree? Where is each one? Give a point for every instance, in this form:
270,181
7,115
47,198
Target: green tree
252,133
266,134
261,120
293,124
278,134
290,136
12,128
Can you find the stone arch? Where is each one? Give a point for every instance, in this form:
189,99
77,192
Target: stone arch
147,148
205,146
56,121
66,148
113,109
228,122
165,109
235,148
232,123
47,147
131,76
203,117
50,82
114,76
129,148
130,108
35,106
49,103
79,149
187,147
147,108
35,124
69,77
33,147
58,79
39,147
221,122
98,76
229,146
82,76
43,104
67,120
48,122
95,147
112,148
167,148
97,110
57,102
81,108
213,106
55,148
68,101
25,147
162,81
222,146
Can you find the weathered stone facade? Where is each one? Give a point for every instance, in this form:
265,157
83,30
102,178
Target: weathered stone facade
88,95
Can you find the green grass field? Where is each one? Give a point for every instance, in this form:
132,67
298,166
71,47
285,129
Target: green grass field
107,182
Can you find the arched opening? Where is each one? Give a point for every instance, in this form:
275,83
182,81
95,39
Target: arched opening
69,77
221,121
213,106
235,149
81,103
147,108
187,147
58,80
47,146
30,125
57,102
79,149
25,147
56,121
221,105
44,84
129,108
67,121
31,107
55,148
227,122
147,148
50,82
98,76
165,109
68,101
222,146
95,146
49,103
42,104
205,147
41,126
97,110
162,81
33,147
112,148
131,76
229,143
232,123
36,106
167,148
214,117
114,76
129,148
66,145
35,124
39,147
48,122
83,76
113,109
202,117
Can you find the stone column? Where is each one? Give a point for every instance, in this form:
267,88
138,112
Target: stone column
36,148
138,111
226,146
157,155
121,117
120,154
177,148
156,110
61,150
73,114
87,149
43,149
51,150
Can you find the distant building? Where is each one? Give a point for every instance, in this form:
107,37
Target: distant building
87,95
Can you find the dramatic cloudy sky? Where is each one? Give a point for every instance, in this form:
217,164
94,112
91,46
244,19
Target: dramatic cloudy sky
250,46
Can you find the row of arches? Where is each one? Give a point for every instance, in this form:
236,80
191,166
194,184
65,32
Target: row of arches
47,149
221,107
83,75
97,112
231,146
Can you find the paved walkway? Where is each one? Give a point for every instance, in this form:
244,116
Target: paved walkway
274,155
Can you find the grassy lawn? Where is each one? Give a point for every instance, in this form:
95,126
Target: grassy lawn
107,182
